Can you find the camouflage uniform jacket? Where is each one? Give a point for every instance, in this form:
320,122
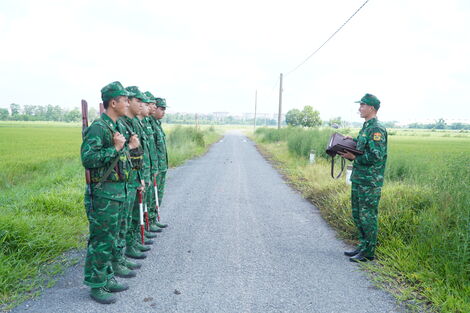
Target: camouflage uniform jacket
126,126
149,130
144,172
369,168
98,154
160,140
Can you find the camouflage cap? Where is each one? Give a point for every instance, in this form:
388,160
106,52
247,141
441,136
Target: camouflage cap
135,92
371,100
160,102
149,96
113,90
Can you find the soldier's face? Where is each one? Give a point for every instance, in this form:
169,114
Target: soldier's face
145,110
152,109
366,110
121,105
135,106
160,113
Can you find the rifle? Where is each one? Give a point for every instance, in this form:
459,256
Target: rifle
84,127
141,214
157,203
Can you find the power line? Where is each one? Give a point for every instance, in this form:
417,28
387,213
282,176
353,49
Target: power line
302,63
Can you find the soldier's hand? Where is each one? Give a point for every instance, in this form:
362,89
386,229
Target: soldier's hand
142,185
134,142
348,137
119,141
347,155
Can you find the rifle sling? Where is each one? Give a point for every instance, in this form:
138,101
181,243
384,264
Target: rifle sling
108,171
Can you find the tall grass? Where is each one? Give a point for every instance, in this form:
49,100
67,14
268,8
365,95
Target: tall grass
187,142
41,198
424,219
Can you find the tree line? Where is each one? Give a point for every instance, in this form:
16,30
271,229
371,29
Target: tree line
39,113
308,117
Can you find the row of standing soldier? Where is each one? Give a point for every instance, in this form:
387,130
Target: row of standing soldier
125,157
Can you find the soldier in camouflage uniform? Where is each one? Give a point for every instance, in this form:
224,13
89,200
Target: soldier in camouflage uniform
160,140
367,178
129,223
155,225
105,153
150,190
134,248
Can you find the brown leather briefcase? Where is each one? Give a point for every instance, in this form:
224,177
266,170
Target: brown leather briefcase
339,143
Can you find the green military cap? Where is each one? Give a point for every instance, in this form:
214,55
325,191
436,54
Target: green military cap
113,90
160,102
149,96
135,92
371,100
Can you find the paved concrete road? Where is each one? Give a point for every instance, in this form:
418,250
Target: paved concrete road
240,240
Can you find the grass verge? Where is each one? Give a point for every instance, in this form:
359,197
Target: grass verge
424,214
41,200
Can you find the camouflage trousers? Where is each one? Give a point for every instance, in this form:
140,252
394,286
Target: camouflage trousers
133,231
103,217
151,203
125,233
151,199
161,179
365,203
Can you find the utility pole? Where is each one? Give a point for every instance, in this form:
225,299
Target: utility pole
256,102
280,104
197,121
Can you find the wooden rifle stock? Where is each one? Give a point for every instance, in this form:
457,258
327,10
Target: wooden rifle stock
84,127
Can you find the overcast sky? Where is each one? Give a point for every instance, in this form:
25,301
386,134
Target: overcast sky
205,56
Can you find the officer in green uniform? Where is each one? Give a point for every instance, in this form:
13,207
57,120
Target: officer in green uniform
160,140
105,153
367,178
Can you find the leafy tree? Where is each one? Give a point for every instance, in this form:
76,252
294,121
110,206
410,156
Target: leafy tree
440,124
15,109
335,122
294,117
73,116
310,117
390,124
92,114
4,114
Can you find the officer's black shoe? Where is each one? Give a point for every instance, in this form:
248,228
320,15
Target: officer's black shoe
352,253
148,241
361,258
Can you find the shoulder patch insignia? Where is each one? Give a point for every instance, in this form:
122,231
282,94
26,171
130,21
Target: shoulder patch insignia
377,136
